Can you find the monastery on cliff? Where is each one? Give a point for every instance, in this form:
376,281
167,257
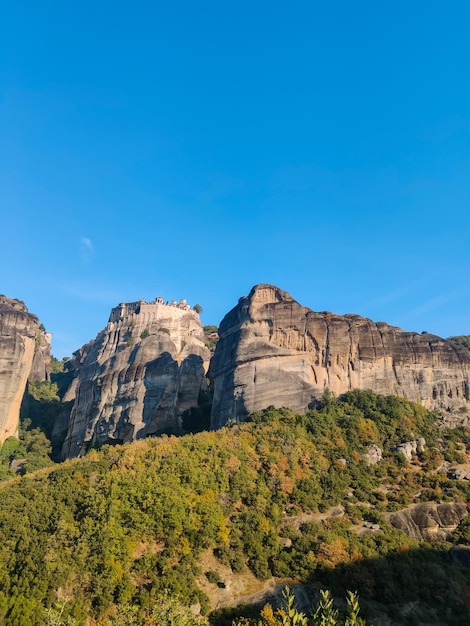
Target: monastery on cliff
149,310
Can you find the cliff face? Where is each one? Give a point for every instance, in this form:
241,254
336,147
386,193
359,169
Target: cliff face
137,377
41,365
24,353
273,351
429,520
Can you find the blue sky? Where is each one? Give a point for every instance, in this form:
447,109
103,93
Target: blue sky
194,149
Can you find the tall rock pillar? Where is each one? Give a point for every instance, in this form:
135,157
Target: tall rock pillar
22,342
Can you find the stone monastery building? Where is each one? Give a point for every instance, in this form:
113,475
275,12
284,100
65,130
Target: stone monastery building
149,311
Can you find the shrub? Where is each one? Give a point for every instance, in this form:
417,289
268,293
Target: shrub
213,576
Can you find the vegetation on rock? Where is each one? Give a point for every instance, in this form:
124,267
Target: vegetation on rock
211,334
461,340
42,407
35,447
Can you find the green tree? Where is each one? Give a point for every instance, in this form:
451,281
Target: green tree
462,533
56,366
165,611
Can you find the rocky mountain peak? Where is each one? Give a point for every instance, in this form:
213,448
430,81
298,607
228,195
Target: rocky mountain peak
267,294
274,351
136,379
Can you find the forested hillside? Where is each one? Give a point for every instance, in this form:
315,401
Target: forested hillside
128,529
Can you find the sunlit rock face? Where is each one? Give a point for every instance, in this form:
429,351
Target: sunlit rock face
429,520
138,376
274,351
24,354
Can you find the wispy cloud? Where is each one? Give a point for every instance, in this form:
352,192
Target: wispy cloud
86,249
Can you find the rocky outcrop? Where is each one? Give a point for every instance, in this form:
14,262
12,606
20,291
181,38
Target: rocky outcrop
72,368
373,455
461,472
41,365
24,353
411,448
429,520
274,351
138,376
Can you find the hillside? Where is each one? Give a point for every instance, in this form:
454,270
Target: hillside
218,518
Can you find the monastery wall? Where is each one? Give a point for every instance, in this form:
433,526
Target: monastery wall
150,311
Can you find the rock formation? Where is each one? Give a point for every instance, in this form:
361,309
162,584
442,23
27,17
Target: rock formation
410,448
24,354
138,376
273,351
429,520
373,455
41,365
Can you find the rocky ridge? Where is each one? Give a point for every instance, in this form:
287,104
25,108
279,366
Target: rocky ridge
138,376
274,351
24,354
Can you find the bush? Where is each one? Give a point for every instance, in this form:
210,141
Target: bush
324,615
213,576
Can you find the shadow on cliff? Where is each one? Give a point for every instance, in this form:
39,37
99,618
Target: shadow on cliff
428,585
171,389
228,404
48,414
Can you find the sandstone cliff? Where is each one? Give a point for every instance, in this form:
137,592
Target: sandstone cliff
41,365
24,353
138,376
273,351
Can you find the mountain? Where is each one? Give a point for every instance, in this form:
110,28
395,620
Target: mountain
24,354
137,378
274,351
350,489
147,368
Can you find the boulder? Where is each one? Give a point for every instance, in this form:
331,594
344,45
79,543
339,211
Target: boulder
373,455
410,448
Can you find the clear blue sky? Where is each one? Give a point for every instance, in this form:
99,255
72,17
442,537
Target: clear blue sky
194,149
